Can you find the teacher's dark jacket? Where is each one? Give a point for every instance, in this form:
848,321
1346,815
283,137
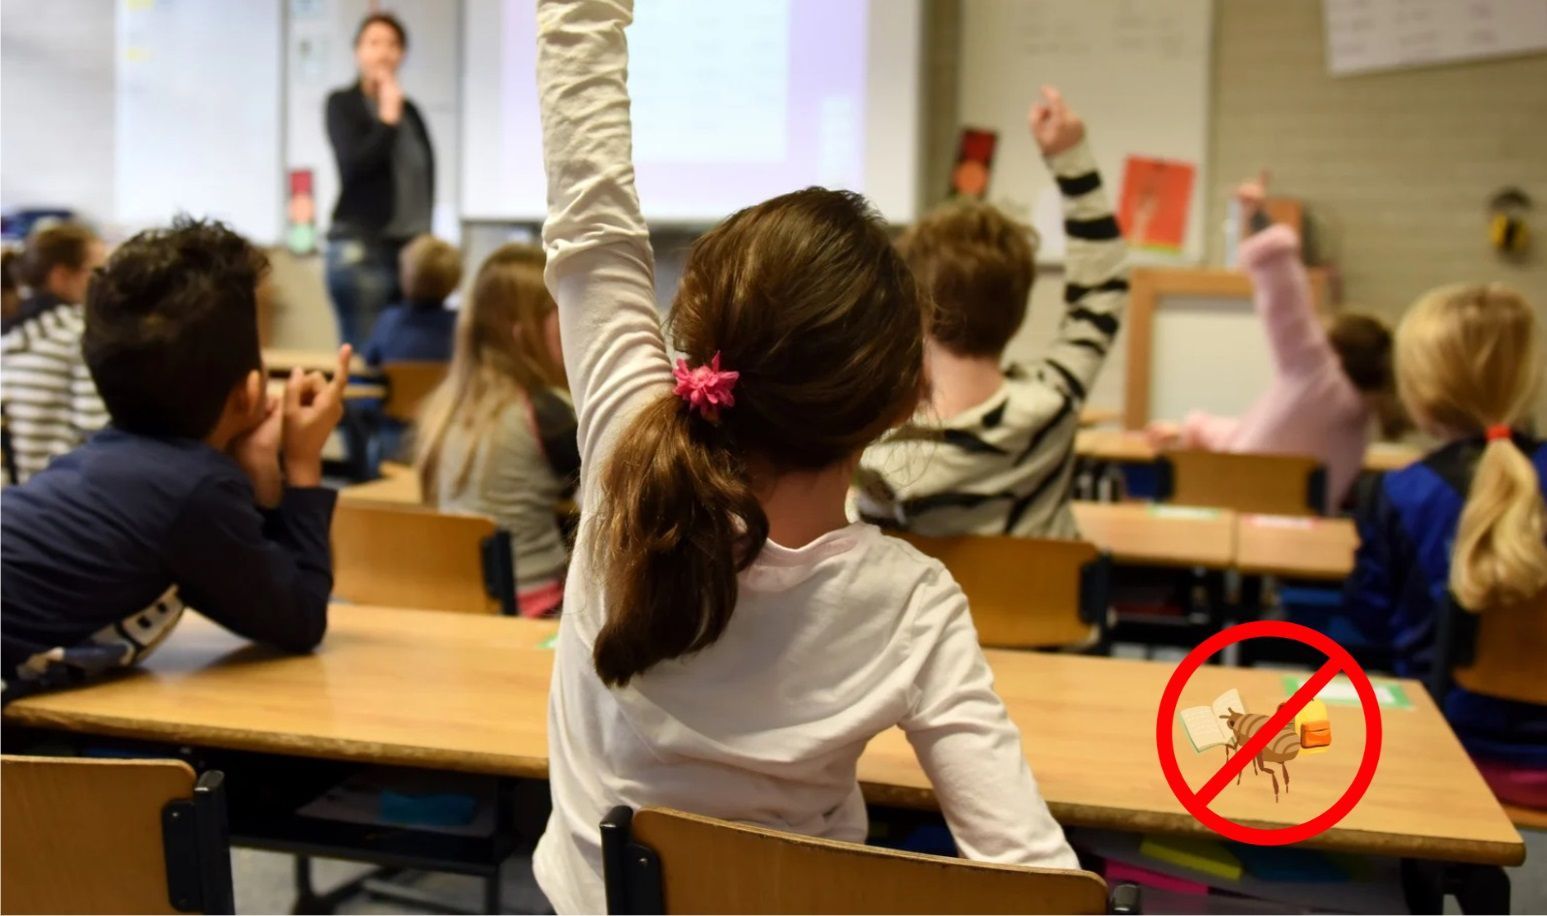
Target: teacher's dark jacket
362,145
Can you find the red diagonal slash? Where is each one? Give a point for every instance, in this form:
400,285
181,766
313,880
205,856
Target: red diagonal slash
1258,741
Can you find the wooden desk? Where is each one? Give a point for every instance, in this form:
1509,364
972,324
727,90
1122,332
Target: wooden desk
280,361
477,702
459,692
1099,416
1156,535
1303,548
354,391
1381,457
1089,724
396,488
1120,445
1128,446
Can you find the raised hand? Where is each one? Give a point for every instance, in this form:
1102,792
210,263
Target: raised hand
313,406
257,453
1163,434
1054,125
389,98
1252,193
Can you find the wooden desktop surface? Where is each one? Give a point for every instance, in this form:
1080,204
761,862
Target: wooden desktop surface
395,488
1301,548
354,391
1128,446
1142,533
468,693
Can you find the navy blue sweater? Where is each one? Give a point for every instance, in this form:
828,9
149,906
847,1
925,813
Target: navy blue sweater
1407,528
407,331
103,549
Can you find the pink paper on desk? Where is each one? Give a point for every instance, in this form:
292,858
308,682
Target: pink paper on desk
1282,521
1119,871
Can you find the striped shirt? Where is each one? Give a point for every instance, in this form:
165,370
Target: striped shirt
50,402
1005,466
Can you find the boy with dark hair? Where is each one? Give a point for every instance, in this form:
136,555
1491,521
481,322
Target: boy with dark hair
993,452
205,491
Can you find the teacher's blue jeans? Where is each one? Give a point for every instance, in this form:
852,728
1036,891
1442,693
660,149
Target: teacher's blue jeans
362,281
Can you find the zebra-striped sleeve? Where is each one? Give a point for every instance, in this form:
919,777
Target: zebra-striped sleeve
50,403
1095,276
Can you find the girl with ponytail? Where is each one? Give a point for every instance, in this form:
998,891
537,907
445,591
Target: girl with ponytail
730,642
1468,518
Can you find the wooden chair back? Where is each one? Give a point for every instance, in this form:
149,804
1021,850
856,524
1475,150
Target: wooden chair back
1262,484
1507,645
112,836
412,556
1026,593
409,382
694,864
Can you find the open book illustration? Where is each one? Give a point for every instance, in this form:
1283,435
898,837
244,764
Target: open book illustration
1206,725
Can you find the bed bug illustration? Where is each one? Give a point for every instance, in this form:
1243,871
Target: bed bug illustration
1284,747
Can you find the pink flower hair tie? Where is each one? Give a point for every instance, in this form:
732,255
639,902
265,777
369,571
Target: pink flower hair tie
705,388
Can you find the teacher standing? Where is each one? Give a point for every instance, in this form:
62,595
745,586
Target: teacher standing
386,171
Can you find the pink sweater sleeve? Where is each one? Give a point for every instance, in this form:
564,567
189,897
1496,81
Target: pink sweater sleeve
1282,293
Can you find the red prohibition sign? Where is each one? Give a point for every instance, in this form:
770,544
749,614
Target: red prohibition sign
1197,803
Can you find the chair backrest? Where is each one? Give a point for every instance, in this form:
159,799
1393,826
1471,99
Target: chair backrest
1264,484
112,836
1026,593
666,861
409,382
411,556
1496,652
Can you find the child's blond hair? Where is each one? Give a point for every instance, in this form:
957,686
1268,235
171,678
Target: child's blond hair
430,269
1468,360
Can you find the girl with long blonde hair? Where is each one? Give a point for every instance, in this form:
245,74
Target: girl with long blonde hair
498,436
1468,518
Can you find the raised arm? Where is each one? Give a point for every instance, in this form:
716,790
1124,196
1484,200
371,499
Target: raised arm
971,751
1096,268
1281,288
600,266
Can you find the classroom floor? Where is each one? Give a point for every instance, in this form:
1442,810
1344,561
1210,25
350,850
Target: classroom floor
265,883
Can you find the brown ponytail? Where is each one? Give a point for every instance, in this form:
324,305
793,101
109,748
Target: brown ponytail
691,525
1467,360
804,296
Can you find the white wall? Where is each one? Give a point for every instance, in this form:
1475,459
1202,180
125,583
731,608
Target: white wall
56,105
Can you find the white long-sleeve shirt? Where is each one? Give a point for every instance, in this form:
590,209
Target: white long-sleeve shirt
830,643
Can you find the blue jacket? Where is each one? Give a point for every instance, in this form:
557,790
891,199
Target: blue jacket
1407,527
418,331
103,550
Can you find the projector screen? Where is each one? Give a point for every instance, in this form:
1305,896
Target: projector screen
733,103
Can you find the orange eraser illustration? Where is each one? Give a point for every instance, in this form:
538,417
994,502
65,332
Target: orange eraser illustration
1316,734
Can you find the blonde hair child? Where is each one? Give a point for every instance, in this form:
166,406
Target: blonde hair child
497,436
1468,364
1467,518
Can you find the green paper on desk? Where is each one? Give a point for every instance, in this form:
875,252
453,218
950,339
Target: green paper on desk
550,642
1340,691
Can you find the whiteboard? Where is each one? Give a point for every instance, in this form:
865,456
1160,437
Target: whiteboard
732,103
1136,70
1369,35
198,114
1196,342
